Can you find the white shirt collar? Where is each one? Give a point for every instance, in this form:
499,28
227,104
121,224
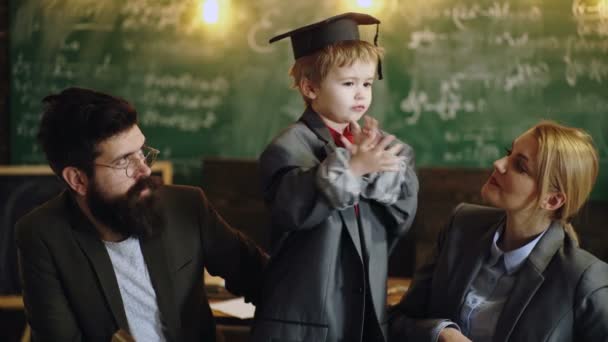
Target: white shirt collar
515,258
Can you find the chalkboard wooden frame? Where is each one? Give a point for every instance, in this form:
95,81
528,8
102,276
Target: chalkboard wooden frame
165,168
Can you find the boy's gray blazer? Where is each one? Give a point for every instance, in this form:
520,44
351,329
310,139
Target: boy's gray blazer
319,260
561,291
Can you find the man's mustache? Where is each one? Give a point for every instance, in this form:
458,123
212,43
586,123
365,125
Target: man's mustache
152,183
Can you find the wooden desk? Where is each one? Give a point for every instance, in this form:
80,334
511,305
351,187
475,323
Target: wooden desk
11,302
396,288
15,303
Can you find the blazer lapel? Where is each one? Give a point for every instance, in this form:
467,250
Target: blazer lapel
311,119
376,281
92,246
156,260
467,269
350,221
529,279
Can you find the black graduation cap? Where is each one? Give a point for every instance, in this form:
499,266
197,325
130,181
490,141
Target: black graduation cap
310,38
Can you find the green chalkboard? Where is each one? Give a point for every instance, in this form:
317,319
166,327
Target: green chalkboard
462,77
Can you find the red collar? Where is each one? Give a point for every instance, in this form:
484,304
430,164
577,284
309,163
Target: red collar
336,135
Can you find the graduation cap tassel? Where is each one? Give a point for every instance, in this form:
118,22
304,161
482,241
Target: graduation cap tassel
376,44
377,33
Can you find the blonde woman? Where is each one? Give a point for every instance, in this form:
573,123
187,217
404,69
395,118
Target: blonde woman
515,272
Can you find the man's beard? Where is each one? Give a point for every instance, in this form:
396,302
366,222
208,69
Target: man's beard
129,214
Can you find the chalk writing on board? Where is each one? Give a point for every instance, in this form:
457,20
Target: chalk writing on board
105,68
185,81
591,17
451,102
598,28
449,63
508,39
527,74
570,44
27,128
70,46
257,37
426,37
484,155
182,122
480,145
461,14
182,101
62,68
446,107
191,101
154,15
594,69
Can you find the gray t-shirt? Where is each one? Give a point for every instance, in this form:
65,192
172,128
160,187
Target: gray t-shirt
136,290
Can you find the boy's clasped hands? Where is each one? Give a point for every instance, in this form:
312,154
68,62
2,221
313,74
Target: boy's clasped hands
371,151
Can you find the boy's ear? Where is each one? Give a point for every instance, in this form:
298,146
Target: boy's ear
308,88
553,201
76,179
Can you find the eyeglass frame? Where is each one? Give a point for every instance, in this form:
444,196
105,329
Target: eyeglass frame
151,152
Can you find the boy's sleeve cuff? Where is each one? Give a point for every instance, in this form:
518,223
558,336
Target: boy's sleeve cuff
335,180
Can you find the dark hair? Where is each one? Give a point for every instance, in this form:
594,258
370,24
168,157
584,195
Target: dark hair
75,121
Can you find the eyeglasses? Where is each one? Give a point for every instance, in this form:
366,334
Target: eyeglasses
146,155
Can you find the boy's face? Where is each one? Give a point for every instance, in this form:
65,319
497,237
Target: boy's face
346,93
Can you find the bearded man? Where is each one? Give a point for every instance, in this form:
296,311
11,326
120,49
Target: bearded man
118,251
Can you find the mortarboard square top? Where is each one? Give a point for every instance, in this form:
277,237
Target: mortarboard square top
308,39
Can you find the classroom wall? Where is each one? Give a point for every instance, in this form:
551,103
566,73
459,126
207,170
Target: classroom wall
12,322
4,83
462,78
440,189
464,49
231,186
524,59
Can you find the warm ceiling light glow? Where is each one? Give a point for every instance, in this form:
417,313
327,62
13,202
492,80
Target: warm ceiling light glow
373,7
210,11
365,3
603,9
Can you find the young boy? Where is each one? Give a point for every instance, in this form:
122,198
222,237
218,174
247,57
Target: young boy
340,196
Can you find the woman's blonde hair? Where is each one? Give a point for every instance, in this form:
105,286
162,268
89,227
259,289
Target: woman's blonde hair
315,67
568,163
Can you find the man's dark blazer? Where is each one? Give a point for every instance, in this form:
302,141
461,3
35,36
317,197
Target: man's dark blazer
315,288
70,289
560,294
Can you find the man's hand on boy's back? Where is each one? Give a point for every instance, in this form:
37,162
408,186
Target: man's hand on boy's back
370,151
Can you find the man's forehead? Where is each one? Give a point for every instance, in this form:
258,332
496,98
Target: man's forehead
124,142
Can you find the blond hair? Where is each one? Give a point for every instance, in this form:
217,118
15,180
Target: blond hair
568,163
315,67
